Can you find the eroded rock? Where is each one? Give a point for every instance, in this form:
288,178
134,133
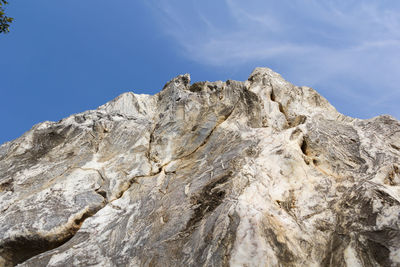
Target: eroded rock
254,173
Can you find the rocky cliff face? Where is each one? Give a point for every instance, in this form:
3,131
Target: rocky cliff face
254,173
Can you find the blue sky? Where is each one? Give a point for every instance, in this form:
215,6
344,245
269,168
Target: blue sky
62,58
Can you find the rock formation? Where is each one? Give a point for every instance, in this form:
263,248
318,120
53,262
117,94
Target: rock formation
254,173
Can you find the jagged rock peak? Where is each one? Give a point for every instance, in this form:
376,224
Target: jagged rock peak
179,81
253,173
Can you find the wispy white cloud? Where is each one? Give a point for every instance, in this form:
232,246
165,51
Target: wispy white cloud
352,45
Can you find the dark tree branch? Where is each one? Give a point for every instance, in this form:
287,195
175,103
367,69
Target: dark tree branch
4,20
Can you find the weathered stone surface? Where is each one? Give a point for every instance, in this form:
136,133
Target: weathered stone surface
254,173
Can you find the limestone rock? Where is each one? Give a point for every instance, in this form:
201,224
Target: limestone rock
254,173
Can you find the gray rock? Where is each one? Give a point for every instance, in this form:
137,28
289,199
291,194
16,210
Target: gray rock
254,173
